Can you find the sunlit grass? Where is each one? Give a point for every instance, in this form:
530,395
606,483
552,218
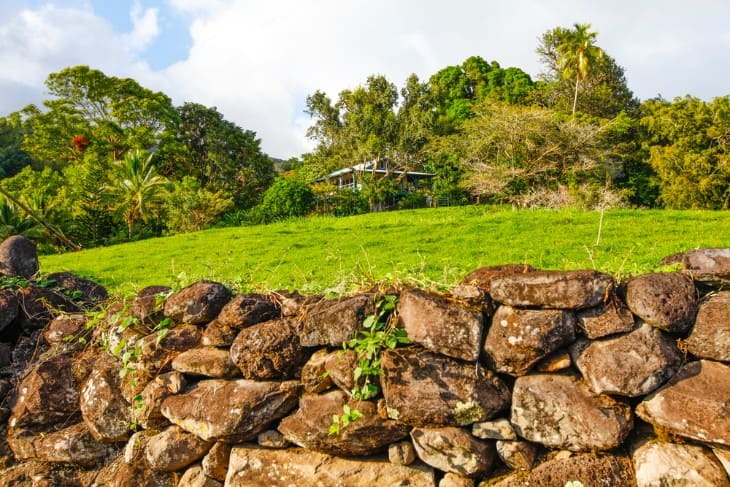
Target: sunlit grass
429,246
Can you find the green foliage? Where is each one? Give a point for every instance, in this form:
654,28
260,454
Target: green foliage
348,416
190,208
286,198
12,157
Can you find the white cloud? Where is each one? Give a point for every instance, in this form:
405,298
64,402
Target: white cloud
145,27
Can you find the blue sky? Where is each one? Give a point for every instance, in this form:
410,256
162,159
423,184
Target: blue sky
257,60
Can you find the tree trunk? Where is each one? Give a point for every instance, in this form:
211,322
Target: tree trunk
575,96
40,220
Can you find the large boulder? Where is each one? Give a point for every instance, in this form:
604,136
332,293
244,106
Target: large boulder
174,448
519,338
251,465
105,412
705,265
248,309
585,469
441,325
659,463
230,411
553,289
559,411
710,336
198,303
631,365
454,450
18,257
667,301
694,403
335,321
269,350
48,394
422,388
309,426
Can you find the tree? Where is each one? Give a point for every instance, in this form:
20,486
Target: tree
136,190
220,155
12,157
286,198
189,208
577,55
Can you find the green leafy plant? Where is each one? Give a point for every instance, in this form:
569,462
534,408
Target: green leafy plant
379,332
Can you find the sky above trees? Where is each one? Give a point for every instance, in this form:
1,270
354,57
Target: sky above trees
257,61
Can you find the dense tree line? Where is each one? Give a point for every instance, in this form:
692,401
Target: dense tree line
107,160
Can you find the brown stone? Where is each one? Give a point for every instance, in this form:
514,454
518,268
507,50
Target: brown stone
586,469
451,479
309,426
269,350
554,362
86,291
118,473
606,319
47,395
105,412
67,328
517,455
39,474
454,450
335,321
560,411
136,446
294,303
553,289
519,338
215,462
156,353
198,303
260,466
75,445
483,276
9,307
206,362
498,429
705,265
665,301
195,477
694,403
315,377
149,413
340,367
422,388
230,411
630,365
710,337
245,310
658,463
722,453
217,334
18,257
272,439
174,449
474,297
401,453
38,306
444,326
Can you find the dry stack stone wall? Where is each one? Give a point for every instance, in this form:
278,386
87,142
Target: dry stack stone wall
516,377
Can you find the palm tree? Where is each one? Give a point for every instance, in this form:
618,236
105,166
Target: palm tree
577,55
137,189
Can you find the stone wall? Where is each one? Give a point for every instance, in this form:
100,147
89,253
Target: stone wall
514,377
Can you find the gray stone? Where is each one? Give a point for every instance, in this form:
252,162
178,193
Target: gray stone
665,301
560,411
422,388
198,303
438,324
18,257
104,411
251,466
335,321
661,464
272,439
628,365
706,265
174,448
519,338
454,450
401,453
553,289
694,403
517,455
309,426
206,362
710,337
230,411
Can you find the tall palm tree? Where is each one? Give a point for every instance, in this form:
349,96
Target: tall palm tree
137,189
577,55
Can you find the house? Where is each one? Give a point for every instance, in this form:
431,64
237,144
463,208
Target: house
352,177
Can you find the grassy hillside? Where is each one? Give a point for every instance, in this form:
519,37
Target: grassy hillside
430,245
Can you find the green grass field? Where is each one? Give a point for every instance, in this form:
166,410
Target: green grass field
429,246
